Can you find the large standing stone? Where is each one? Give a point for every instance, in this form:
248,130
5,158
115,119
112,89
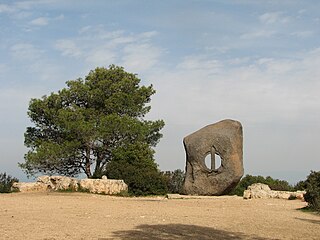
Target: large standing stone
224,139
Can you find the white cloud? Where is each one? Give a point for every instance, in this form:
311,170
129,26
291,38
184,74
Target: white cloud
41,21
60,17
200,63
17,98
258,34
100,47
101,56
34,61
68,48
302,34
25,51
21,10
31,3
277,67
4,8
148,35
21,15
276,90
3,68
221,49
85,29
140,57
273,17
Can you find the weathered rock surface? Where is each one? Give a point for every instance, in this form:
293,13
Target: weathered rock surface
224,139
29,187
259,190
56,183
105,186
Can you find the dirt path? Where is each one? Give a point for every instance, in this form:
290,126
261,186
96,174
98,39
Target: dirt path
58,216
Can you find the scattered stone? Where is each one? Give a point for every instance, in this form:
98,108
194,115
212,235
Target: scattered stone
259,190
223,138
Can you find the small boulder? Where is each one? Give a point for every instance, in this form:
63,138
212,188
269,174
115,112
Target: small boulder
103,186
259,190
64,183
29,187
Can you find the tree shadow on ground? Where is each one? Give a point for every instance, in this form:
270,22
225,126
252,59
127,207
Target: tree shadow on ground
180,232
309,220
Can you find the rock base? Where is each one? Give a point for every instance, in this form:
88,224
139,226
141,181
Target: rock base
61,183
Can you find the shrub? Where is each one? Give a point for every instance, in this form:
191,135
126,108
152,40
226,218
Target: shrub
6,182
135,165
278,185
300,186
174,180
292,197
312,195
274,184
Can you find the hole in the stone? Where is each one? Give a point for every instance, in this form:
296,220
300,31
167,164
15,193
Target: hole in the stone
217,161
207,161
212,163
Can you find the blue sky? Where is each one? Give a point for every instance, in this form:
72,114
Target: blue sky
254,61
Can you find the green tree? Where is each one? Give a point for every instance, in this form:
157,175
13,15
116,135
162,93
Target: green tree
278,185
300,186
174,180
134,164
312,187
81,128
6,182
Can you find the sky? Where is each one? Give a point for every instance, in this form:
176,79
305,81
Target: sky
255,61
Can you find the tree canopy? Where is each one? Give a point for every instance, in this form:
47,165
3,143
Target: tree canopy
81,128
312,187
174,180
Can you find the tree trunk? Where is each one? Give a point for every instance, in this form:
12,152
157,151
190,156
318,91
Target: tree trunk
87,164
97,169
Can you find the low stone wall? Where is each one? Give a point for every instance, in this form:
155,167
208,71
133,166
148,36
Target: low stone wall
61,183
259,190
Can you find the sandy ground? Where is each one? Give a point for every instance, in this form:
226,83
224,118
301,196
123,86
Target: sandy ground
88,216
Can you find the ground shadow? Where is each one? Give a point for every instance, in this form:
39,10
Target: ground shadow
179,232
309,220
